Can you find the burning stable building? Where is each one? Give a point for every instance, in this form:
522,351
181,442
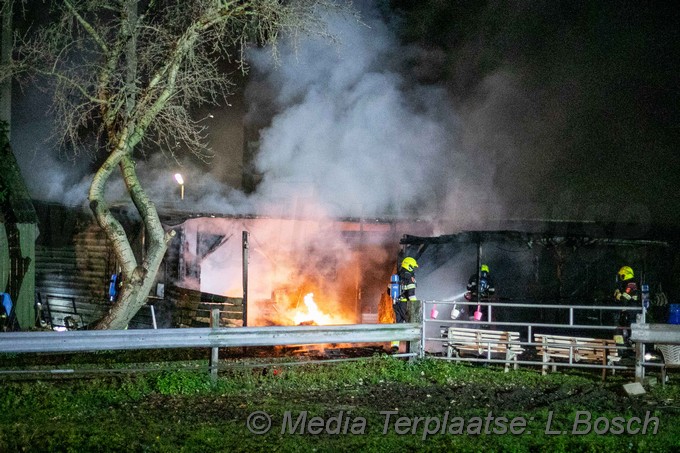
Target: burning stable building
261,270
288,271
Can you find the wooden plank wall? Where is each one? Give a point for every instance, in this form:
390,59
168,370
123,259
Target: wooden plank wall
192,308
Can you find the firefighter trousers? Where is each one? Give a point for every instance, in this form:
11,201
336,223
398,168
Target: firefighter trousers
400,311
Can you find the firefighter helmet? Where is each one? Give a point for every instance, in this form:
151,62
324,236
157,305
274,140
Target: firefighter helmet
484,268
409,264
626,273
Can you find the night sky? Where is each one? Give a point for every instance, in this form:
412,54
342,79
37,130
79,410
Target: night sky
585,94
446,111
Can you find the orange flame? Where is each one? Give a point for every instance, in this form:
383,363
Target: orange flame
311,314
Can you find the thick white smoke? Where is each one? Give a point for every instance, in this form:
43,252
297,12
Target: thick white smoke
348,131
352,130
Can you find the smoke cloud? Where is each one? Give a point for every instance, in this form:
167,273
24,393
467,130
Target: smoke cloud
347,130
350,128
367,127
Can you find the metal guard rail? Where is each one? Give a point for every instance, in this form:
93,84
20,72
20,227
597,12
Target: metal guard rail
204,337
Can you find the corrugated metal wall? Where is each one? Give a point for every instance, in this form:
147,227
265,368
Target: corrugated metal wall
73,264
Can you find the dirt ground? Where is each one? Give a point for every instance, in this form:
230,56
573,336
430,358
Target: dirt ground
387,396
177,412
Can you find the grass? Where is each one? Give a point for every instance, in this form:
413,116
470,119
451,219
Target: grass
184,411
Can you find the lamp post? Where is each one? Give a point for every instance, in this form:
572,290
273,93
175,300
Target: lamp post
180,181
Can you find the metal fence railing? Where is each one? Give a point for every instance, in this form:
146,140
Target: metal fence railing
516,318
666,336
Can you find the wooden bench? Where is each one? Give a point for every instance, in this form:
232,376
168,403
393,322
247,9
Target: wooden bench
484,343
576,349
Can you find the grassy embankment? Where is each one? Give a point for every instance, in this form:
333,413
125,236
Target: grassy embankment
470,408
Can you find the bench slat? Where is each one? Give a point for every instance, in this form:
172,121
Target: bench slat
483,343
577,349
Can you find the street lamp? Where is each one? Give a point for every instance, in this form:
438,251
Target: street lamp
180,181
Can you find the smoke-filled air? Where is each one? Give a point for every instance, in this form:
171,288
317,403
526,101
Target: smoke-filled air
346,133
349,132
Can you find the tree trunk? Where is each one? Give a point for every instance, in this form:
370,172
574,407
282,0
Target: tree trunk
138,282
138,278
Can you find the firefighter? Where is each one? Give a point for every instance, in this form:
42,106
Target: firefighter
407,292
485,289
407,282
627,294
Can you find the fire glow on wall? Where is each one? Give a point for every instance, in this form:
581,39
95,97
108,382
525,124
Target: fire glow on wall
299,271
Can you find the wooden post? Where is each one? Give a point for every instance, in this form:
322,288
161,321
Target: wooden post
215,354
245,278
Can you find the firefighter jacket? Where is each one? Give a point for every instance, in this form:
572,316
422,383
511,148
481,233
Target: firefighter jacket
486,287
627,292
407,280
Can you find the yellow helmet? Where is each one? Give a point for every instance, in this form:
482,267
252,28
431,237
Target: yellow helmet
484,268
409,264
626,273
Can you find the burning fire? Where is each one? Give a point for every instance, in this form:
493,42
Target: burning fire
310,314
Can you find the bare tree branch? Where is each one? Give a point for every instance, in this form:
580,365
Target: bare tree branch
125,80
89,28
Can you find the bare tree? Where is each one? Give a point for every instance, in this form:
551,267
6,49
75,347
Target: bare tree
126,74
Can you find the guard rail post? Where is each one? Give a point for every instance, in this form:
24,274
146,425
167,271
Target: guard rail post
417,347
215,352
